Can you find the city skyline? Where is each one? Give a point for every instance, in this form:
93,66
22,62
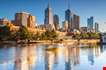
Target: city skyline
82,8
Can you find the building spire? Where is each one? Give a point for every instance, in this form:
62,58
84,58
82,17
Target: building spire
68,4
48,3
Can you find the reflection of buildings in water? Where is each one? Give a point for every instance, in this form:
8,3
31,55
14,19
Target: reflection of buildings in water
68,65
91,55
31,57
6,54
93,51
21,59
24,58
102,48
50,58
97,50
71,57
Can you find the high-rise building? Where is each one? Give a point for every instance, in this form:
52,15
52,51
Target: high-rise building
75,22
90,23
68,17
48,21
56,22
24,19
96,27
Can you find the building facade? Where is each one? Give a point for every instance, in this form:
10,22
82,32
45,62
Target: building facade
31,21
75,22
83,29
65,26
48,21
4,21
56,22
96,27
24,19
68,17
90,23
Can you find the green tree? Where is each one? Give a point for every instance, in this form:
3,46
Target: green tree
77,36
24,33
94,35
84,36
5,32
49,35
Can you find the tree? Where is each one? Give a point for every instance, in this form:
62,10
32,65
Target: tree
24,33
94,35
49,35
84,36
5,32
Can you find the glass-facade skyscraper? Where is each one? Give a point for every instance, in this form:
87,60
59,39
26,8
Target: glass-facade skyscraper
68,17
56,21
90,23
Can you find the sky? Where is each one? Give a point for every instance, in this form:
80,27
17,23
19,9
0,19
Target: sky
83,8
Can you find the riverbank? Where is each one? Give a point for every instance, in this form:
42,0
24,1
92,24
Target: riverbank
71,41
88,41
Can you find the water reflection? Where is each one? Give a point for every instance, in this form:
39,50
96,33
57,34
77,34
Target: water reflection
25,57
71,57
51,57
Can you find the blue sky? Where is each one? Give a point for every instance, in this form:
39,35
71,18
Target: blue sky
83,8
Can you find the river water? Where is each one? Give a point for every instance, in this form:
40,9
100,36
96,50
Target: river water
52,57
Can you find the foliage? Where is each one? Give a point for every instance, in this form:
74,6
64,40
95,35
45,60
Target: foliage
94,35
49,35
84,36
23,33
87,36
5,32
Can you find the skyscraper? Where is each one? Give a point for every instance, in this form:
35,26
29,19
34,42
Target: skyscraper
68,15
48,21
90,23
56,22
75,22
96,27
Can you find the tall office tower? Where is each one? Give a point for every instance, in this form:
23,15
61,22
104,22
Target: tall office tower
96,27
48,21
56,22
24,19
75,22
90,23
68,15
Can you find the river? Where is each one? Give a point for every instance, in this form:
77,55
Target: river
52,57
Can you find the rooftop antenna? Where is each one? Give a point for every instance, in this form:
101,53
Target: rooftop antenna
49,3
68,4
